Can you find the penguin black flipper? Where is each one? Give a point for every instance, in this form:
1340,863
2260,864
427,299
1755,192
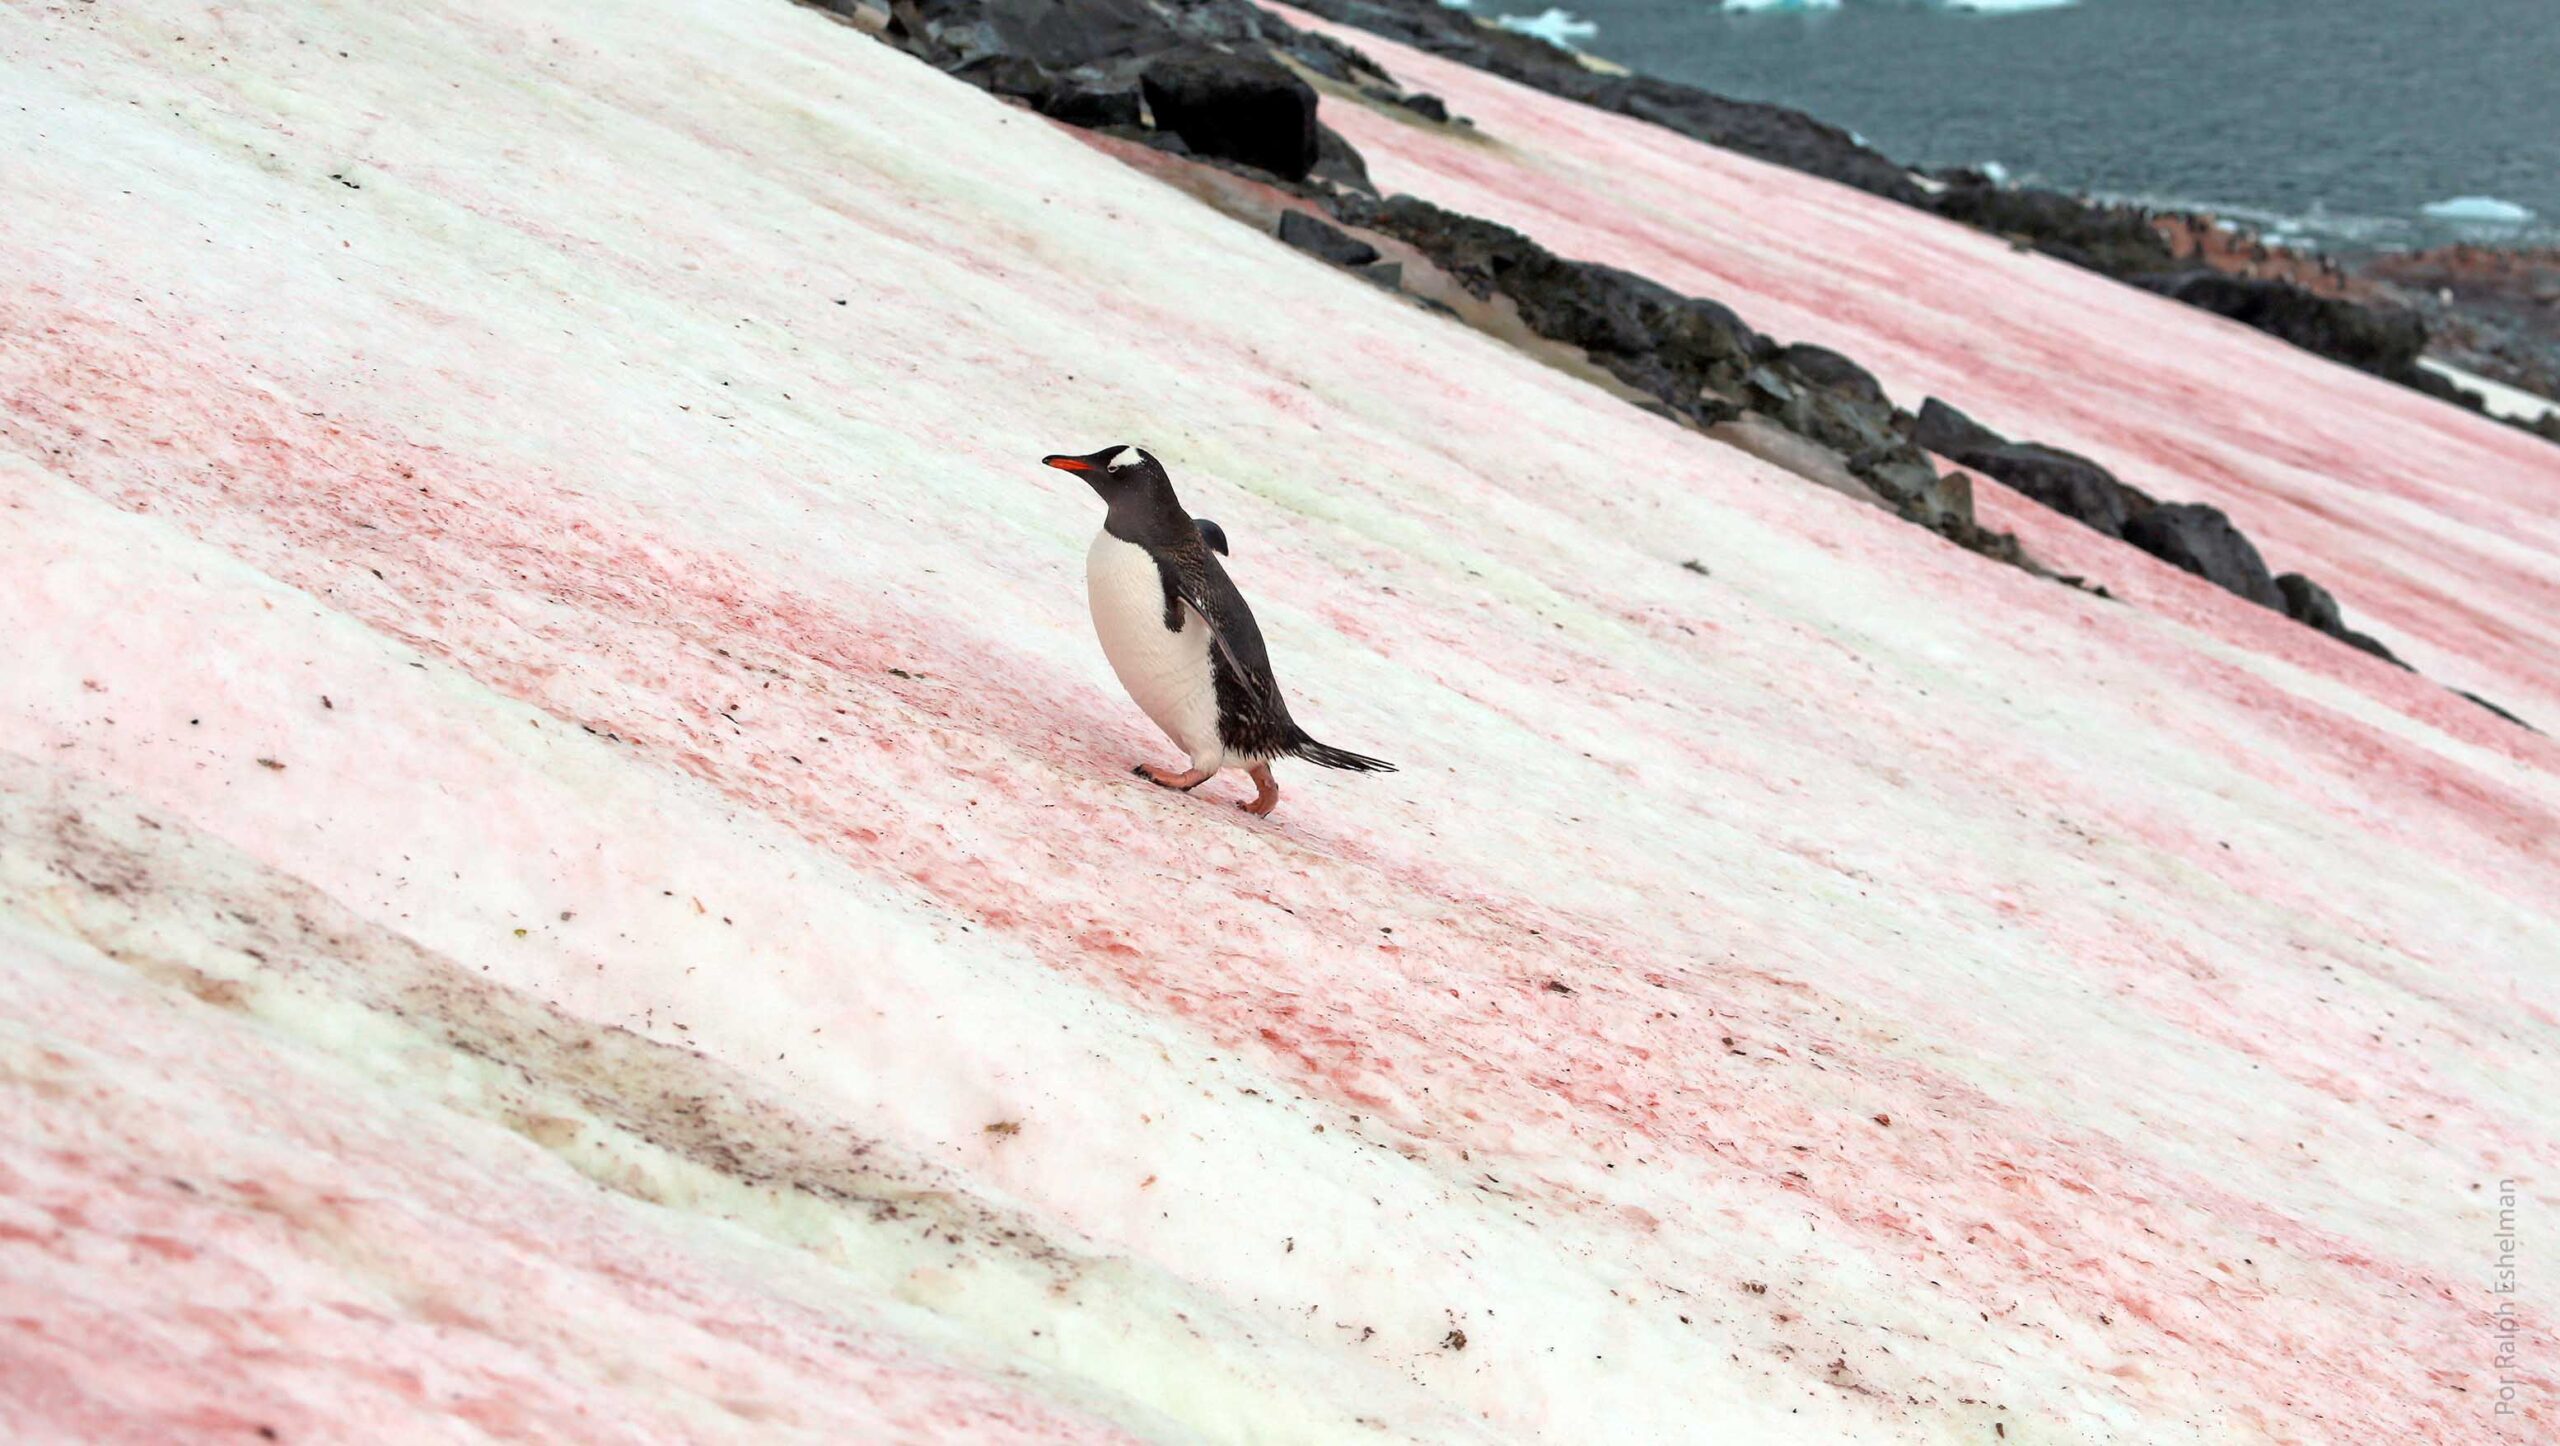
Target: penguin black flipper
1252,719
1212,534
1193,577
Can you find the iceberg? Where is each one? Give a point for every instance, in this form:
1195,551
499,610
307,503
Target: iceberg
2478,210
1559,28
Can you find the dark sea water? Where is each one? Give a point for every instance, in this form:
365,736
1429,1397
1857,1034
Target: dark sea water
2339,120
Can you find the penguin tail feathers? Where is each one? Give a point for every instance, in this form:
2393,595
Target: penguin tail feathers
1326,756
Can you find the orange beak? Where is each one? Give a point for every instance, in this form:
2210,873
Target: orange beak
1068,464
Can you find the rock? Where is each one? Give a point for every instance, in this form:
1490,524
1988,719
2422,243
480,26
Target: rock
1770,133
2064,481
1429,107
2381,340
2201,540
1090,109
2113,240
1334,60
1240,108
1917,491
2371,644
1827,368
1337,161
2310,604
1386,274
2494,708
1325,240
1950,433
1056,35
1657,339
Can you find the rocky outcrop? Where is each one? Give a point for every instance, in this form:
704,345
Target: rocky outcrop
1827,368
2385,341
2202,540
2113,240
1207,78
2310,604
1950,433
1245,108
2064,481
1695,357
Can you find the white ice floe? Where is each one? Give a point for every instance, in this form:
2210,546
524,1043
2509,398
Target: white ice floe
2006,7
1560,28
2478,211
1979,7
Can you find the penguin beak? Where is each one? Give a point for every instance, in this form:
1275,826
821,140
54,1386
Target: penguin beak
1067,464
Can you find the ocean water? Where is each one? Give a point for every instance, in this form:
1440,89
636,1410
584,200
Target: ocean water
2350,124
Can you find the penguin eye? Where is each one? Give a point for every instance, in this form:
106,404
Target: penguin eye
1126,457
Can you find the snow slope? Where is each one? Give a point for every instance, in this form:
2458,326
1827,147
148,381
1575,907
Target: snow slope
567,867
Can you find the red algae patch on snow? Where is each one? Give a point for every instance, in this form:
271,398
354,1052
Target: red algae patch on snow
561,673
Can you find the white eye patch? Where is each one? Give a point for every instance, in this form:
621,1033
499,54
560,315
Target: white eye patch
1126,457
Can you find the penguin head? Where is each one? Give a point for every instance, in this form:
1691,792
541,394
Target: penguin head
1117,471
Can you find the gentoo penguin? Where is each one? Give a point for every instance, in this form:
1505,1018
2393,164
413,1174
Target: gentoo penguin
1180,636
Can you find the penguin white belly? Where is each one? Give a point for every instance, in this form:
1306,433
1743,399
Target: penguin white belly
1165,671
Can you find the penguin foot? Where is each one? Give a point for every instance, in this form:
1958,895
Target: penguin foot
1266,792
1178,782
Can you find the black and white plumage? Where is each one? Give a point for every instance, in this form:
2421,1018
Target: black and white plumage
1179,635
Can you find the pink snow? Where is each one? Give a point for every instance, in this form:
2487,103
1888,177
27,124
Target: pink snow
567,861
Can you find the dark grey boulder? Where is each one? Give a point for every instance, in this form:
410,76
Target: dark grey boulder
2309,603
1241,108
2064,481
1950,433
2202,540
1324,239
1827,368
